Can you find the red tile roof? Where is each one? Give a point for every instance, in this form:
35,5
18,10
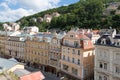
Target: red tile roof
33,76
87,44
82,36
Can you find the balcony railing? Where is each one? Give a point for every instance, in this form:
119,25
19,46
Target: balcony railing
106,71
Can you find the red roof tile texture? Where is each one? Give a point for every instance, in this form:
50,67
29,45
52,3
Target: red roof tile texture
33,76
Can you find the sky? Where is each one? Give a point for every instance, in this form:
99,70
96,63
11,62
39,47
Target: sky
12,10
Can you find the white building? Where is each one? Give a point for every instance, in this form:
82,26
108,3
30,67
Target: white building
107,58
31,30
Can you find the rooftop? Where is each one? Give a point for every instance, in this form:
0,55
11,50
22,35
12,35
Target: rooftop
6,64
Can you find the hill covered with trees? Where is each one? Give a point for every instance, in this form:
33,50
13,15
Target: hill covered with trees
83,14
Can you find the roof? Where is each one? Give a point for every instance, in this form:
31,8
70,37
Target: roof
6,64
21,72
87,44
82,36
13,59
33,76
106,31
117,36
107,38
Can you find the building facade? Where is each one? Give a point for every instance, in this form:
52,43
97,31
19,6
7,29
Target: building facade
107,57
77,56
14,47
36,52
55,55
2,45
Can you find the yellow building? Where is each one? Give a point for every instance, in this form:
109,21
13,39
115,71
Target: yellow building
14,47
36,52
2,45
77,58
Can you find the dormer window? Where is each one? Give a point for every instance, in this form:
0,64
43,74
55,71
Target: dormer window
103,41
117,43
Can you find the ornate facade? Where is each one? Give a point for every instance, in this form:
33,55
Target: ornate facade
107,57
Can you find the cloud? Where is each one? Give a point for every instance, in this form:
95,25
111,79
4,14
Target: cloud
12,15
4,6
38,4
12,10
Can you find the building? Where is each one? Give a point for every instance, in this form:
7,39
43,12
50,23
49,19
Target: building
23,74
32,30
11,27
113,6
107,65
15,47
55,53
55,14
77,56
47,18
39,19
2,43
36,52
9,65
112,32
95,36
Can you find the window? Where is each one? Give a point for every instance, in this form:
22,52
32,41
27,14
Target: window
74,71
68,58
73,60
100,78
68,50
78,52
63,57
76,44
15,53
65,67
73,51
117,43
105,65
78,61
117,70
105,78
10,52
100,65
85,72
71,35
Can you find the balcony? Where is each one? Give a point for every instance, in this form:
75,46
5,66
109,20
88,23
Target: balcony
54,59
55,50
106,59
102,70
72,46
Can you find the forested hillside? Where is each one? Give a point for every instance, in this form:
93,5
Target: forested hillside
83,14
